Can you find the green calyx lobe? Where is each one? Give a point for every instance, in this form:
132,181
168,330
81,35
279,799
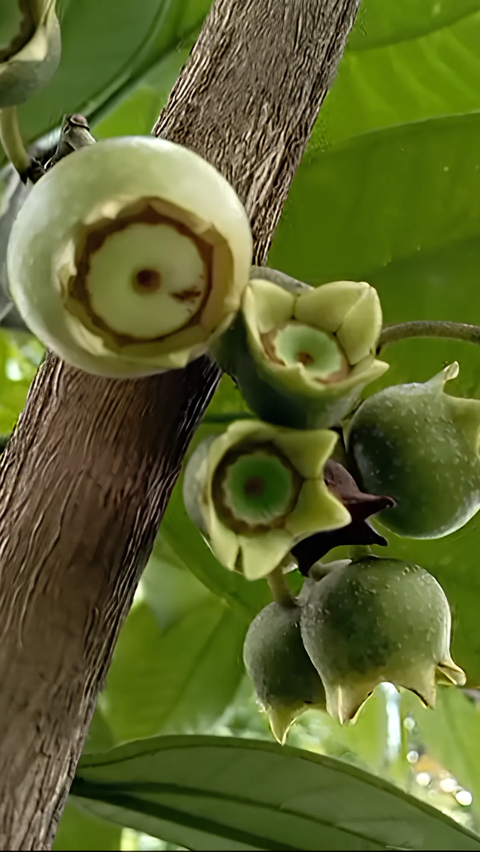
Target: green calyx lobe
255,488
420,444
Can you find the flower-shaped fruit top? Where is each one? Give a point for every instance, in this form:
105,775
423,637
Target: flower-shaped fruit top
301,359
256,489
129,256
29,48
378,620
285,680
422,445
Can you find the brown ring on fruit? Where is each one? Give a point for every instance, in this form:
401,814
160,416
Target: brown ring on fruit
76,295
224,511
268,339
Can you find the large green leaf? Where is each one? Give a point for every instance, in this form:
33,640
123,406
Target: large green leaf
381,23
407,60
137,112
100,735
212,793
383,199
178,680
79,829
169,588
107,47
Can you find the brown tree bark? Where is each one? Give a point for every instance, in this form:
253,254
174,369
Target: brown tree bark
89,470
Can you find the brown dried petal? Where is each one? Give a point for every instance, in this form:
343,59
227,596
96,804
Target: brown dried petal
361,506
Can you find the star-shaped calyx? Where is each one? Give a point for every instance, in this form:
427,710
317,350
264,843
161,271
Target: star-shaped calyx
361,506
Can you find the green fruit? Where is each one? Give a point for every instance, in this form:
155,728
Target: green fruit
420,446
301,357
378,620
286,683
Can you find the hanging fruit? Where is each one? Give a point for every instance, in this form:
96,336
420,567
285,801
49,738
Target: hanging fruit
378,620
285,680
420,446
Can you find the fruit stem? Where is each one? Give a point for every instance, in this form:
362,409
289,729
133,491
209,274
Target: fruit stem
12,141
279,588
277,277
359,551
394,332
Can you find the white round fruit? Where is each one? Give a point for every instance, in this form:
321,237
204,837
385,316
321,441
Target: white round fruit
129,257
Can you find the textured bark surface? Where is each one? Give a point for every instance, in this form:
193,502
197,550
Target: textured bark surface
87,476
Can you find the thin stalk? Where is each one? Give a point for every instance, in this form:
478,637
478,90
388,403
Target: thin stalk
429,328
359,551
277,277
279,587
12,141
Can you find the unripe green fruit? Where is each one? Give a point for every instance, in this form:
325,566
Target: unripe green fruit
286,683
420,446
378,620
129,257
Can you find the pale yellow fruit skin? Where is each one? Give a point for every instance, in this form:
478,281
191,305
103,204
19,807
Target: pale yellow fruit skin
122,169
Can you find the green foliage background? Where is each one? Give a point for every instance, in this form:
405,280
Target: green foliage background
388,192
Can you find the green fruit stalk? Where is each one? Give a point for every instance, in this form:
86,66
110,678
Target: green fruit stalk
257,489
285,680
374,621
129,257
301,356
420,446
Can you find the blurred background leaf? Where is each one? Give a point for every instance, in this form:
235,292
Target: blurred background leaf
450,736
177,680
81,830
109,49
405,61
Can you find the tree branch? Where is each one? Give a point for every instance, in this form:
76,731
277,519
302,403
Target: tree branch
88,473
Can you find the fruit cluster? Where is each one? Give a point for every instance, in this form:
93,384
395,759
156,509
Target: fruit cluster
362,623
268,496
133,256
